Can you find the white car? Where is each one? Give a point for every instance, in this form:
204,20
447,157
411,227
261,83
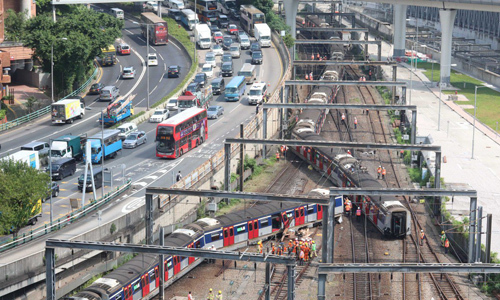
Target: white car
152,5
159,115
172,104
208,69
217,49
152,59
210,59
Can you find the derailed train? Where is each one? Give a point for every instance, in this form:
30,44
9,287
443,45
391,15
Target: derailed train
140,278
388,214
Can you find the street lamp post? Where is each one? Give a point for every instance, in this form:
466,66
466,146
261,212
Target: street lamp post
50,174
52,67
147,64
440,95
474,121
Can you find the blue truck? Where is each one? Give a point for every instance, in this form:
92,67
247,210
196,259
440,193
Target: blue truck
106,144
117,111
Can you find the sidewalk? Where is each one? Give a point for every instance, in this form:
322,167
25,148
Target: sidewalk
21,95
482,172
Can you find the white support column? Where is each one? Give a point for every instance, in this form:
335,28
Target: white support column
291,7
399,29
26,7
447,17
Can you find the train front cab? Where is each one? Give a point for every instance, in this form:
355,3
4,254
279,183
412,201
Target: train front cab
398,224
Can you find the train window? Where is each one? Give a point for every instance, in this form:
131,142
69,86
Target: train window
289,215
215,237
310,210
169,264
225,233
198,244
297,213
117,297
250,226
152,276
241,228
231,231
264,223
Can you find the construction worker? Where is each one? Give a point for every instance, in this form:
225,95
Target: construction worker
443,238
306,253
343,118
290,247
277,156
370,74
273,249
402,153
348,209
210,295
384,172
260,246
446,246
358,214
301,257
379,171
355,123
312,56
219,296
317,56
190,297
422,237
307,76
349,152
313,249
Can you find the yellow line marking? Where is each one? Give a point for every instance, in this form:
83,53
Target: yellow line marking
63,189
63,205
47,212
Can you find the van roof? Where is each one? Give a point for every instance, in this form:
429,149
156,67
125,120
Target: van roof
126,125
33,144
247,67
218,79
61,161
258,85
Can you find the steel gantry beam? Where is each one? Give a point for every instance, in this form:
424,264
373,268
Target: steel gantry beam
159,250
408,268
307,13
336,42
427,192
342,83
339,106
330,29
351,145
343,63
238,195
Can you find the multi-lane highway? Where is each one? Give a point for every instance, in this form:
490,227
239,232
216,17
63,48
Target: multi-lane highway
141,165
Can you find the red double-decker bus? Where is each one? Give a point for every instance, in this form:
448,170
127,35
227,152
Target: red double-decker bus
181,133
157,27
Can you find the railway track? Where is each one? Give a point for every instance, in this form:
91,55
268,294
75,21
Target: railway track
362,287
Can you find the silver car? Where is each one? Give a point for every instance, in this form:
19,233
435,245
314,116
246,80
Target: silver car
215,111
128,73
109,93
244,41
235,50
135,139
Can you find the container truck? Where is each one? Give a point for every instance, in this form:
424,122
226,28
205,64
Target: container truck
26,156
157,27
202,36
68,146
67,110
117,111
263,34
105,144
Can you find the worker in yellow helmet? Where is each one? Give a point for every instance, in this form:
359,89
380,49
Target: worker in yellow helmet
210,295
219,296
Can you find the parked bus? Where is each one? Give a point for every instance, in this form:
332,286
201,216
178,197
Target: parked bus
235,89
249,17
205,9
188,18
225,6
158,28
181,133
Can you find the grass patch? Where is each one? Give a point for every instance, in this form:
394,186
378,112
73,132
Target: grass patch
488,100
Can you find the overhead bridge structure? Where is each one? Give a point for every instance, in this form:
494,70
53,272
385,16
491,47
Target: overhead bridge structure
447,13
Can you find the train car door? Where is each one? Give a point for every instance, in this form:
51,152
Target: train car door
299,216
191,259
128,292
286,221
157,276
228,236
320,212
177,264
145,284
253,229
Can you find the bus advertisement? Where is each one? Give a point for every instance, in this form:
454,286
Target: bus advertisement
249,17
157,27
181,133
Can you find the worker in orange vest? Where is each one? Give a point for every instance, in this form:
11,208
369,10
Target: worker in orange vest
312,56
358,214
384,172
370,74
260,246
422,237
348,209
277,156
355,123
379,171
273,248
307,77
317,56
402,153
446,246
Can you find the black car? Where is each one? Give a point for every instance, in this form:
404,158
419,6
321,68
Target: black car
227,58
255,47
194,87
218,86
96,88
55,191
234,13
174,71
214,28
201,78
257,58
223,21
226,42
226,69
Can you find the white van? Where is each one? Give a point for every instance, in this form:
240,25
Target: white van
257,93
126,129
249,72
118,13
175,4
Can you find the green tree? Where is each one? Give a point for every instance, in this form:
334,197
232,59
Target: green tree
86,32
14,25
22,187
30,103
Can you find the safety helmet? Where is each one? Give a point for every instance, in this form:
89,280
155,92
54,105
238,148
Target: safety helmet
210,289
421,230
220,292
380,166
314,242
442,232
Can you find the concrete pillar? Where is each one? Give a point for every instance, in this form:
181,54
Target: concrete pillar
291,7
447,17
399,29
149,219
472,228
26,7
50,272
264,132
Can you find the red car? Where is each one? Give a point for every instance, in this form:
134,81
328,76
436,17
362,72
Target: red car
123,49
232,29
218,37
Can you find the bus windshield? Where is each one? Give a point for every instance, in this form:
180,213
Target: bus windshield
231,90
185,104
259,18
165,141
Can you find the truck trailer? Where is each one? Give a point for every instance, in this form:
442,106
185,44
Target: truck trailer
68,146
29,157
202,36
263,34
67,110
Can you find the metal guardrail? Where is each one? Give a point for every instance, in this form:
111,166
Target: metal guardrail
63,221
45,110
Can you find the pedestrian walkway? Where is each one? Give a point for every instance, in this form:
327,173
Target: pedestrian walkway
455,136
21,95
